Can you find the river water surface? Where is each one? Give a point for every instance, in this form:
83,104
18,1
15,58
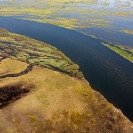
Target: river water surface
106,71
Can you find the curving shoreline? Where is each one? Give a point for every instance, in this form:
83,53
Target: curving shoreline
36,53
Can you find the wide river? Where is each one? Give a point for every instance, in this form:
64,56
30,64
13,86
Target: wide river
106,71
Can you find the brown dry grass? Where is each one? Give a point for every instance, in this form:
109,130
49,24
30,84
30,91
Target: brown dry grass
8,66
58,104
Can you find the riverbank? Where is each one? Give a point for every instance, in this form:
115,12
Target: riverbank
106,71
35,52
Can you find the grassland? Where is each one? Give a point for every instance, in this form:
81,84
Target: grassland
6,64
127,53
35,52
46,101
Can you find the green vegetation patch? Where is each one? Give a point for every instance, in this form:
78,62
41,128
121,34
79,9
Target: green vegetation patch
36,53
127,53
127,31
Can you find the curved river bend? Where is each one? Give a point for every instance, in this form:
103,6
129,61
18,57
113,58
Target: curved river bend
106,71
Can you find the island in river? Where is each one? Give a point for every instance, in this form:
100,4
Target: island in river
125,52
41,90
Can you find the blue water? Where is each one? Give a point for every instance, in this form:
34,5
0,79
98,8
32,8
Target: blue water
106,71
